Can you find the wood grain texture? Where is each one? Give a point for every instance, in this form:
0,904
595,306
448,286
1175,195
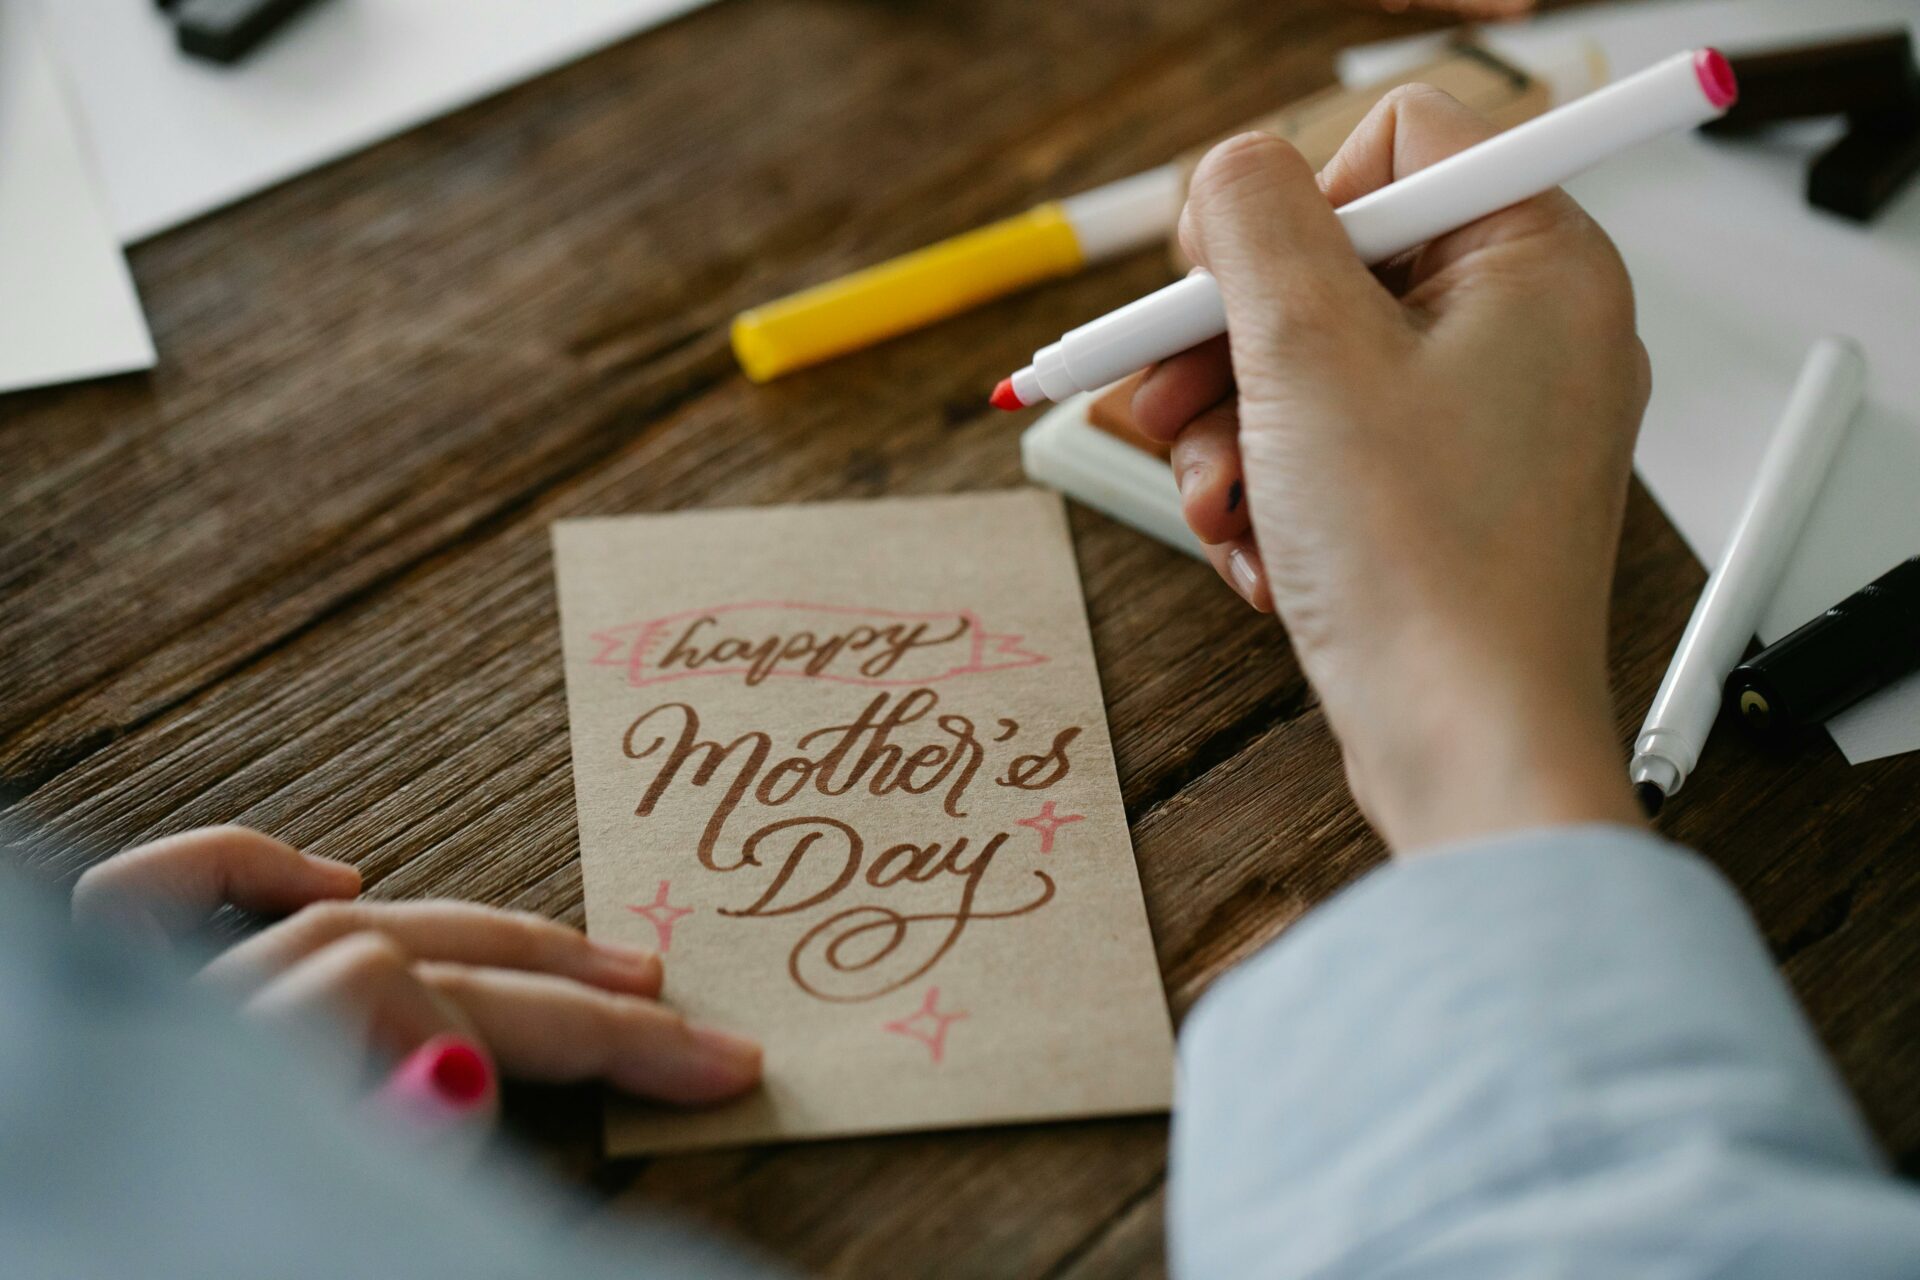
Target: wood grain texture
298,577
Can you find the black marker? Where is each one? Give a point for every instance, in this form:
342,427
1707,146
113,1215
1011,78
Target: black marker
1862,644
1872,81
1861,77
228,30
1860,174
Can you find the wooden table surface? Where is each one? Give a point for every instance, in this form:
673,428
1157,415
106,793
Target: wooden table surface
298,576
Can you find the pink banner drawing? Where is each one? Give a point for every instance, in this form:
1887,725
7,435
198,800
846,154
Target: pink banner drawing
979,650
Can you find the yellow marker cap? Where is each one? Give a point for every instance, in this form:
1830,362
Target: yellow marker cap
910,291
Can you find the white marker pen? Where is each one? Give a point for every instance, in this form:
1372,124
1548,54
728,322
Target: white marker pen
1686,90
1832,383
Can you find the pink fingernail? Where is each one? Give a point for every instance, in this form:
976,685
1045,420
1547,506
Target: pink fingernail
447,1074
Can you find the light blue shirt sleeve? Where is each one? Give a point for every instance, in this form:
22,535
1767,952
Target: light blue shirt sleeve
146,1133
1560,1054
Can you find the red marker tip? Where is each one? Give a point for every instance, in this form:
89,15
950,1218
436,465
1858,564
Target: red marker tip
1005,397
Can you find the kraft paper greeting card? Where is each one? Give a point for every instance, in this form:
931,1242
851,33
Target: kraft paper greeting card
846,766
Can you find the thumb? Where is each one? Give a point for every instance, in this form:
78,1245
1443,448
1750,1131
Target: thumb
1256,219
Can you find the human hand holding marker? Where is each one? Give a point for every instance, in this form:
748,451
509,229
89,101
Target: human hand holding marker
1495,173
537,998
1434,462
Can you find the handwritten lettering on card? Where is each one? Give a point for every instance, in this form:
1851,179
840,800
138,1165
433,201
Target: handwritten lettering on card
846,768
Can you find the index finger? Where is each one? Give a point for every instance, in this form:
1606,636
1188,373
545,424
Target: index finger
465,932
1412,128
175,883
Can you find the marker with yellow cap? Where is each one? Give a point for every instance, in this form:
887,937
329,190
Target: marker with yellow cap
1054,239
1062,237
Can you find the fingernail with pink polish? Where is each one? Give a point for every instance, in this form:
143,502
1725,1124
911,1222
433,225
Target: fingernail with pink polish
444,1079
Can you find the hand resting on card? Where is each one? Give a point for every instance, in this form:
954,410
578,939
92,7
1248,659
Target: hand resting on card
545,1002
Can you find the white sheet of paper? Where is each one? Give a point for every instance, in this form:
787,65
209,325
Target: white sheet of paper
177,137
67,304
1736,276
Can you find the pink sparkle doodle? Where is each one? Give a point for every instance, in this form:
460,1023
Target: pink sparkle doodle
928,1025
662,916
1047,823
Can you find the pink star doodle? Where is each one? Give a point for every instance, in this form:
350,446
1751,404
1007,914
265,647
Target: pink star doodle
936,1038
1046,823
662,916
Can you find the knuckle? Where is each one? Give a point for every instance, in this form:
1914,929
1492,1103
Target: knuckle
534,923
534,938
1419,100
531,945
1404,99
94,878
367,956
1231,165
622,1016
319,923
1598,273
456,981
1425,112
617,1018
1307,306
331,918
1189,234
666,1021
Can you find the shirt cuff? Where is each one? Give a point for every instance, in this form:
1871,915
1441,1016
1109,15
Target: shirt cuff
1522,1007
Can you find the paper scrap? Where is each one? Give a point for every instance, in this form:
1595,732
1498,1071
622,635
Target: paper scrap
846,767
177,136
68,309
1735,278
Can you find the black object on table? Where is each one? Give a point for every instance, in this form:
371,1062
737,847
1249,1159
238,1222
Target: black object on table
228,30
1871,80
1861,645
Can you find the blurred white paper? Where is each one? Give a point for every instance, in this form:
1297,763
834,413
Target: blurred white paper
177,137
1736,276
67,304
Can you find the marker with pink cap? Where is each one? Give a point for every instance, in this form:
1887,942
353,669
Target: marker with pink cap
1682,92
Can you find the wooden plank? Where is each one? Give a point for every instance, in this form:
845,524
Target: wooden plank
299,577
435,757
989,1202
441,767
429,691
1130,1244
369,364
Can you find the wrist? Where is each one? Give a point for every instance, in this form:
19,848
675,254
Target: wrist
1452,759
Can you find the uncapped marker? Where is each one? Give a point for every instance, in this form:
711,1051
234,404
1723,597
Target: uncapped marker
1825,398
